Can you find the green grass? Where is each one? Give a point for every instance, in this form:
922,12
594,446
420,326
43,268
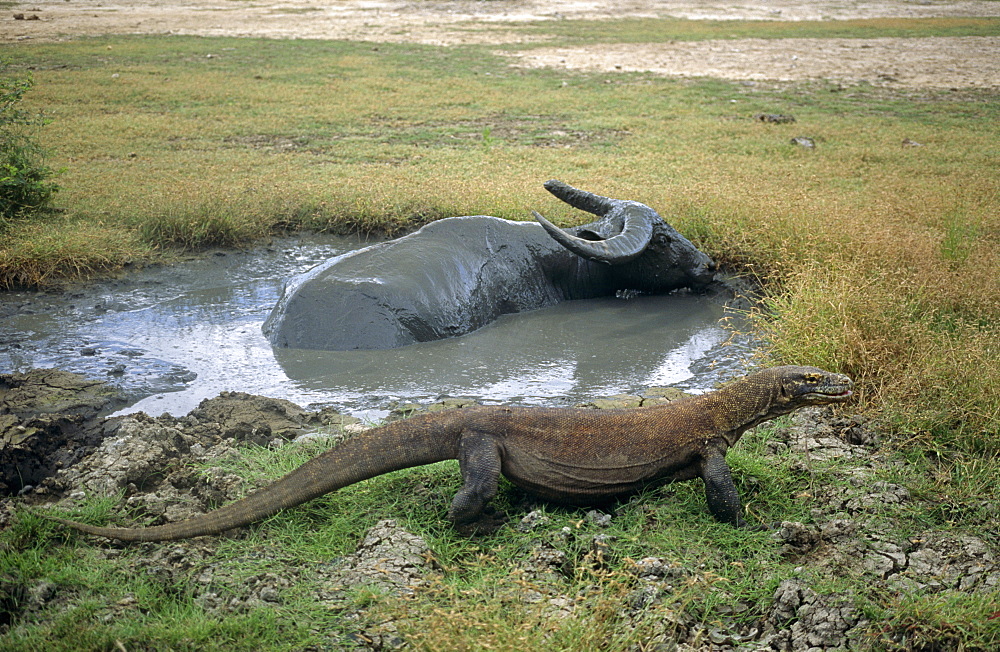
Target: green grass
647,30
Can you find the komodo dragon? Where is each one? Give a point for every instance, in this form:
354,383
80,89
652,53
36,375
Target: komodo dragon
575,456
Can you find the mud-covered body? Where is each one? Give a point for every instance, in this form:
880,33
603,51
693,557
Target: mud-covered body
456,275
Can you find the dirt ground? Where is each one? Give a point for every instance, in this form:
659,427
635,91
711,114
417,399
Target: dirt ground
912,62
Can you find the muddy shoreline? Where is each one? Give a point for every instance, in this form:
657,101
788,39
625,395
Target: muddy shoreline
52,424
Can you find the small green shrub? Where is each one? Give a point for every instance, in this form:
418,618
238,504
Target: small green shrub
25,187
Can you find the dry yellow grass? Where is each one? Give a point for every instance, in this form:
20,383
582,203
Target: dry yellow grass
880,259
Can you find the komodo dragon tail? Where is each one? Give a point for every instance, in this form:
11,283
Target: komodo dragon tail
399,445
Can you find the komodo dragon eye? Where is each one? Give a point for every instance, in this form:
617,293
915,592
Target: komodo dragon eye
813,378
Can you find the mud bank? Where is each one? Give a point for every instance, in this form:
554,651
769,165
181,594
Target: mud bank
53,418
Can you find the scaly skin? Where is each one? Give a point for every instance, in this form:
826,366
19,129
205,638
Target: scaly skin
576,456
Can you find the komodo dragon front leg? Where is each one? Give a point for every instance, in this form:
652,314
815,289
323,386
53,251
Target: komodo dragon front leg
720,490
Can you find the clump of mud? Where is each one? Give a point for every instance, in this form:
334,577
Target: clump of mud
54,443
48,421
150,459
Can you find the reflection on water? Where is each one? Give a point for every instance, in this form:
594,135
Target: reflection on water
170,337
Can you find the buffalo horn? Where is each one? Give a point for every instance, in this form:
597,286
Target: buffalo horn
585,201
636,233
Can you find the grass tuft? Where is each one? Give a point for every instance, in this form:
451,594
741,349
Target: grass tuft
40,254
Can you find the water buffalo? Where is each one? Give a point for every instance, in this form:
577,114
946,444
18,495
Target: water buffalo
458,274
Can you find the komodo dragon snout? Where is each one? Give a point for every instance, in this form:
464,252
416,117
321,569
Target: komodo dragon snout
569,455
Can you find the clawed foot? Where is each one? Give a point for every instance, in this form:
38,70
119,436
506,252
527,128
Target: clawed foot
489,521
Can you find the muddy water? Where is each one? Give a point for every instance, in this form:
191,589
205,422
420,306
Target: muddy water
169,337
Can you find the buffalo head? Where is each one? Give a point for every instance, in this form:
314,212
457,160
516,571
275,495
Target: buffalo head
652,256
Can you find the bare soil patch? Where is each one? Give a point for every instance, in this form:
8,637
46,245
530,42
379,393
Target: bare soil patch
937,63
966,62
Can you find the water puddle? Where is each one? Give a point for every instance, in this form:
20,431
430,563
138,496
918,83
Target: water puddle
169,337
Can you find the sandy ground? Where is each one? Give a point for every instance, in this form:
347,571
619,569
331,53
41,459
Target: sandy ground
914,62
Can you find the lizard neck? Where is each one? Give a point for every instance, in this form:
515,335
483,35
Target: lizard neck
741,405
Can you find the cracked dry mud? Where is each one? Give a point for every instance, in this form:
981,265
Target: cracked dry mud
940,63
152,461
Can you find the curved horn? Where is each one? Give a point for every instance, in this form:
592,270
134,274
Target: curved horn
636,233
585,201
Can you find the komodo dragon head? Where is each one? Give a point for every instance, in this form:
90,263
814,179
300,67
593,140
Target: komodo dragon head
776,391
743,404
802,386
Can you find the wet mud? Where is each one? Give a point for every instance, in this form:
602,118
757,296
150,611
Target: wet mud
48,421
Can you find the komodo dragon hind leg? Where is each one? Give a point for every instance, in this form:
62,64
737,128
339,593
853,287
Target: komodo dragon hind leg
720,490
479,461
